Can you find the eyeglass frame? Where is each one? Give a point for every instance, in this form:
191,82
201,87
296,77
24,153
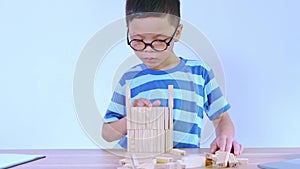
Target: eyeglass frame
150,44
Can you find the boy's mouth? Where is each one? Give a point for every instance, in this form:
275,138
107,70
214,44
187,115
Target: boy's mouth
149,59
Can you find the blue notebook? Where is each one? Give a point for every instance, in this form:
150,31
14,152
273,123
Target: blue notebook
11,160
287,164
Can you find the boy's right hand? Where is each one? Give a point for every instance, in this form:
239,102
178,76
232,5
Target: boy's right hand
142,102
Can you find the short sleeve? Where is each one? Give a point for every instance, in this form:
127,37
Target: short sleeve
116,109
214,101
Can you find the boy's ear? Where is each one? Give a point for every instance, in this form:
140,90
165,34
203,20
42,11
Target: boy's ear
178,32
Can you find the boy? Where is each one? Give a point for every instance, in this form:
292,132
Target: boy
153,27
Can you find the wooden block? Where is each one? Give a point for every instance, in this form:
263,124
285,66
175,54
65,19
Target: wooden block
163,160
156,141
130,141
132,118
128,106
161,117
141,140
128,96
145,141
143,118
145,166
171,105
136,141
208,162
150,118
178,152
172,165
221,160
209,155
171,125
128,117
166,115
210,159
169,140
160,166
136,117
171,96
151,141
232,161
163,142
180,164
242,161
158,117
140,118
159,142
134,161
152,124
194,161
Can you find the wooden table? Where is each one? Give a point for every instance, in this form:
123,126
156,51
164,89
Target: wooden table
109,159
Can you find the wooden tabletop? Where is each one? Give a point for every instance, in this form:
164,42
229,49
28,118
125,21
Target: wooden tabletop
109,159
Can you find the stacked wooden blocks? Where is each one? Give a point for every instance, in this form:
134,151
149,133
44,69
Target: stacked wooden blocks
149,129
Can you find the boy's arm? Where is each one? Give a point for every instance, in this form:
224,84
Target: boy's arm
225,135
114,130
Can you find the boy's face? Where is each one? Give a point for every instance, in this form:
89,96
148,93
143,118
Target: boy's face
150,29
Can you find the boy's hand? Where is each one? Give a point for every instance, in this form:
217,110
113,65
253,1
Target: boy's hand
224,136
142,102
226,143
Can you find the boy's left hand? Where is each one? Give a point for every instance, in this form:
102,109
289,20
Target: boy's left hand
226,143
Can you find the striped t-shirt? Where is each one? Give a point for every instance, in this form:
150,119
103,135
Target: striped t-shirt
195,92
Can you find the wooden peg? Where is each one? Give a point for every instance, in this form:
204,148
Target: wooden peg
170,105
128,107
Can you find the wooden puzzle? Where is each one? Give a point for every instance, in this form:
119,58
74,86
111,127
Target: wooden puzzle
178,159
149,129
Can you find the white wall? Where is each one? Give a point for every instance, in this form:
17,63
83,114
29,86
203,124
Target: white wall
41,41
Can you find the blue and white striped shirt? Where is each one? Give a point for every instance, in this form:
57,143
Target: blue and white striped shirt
195,92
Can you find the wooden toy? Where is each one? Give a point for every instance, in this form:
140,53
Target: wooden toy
178,152
242,161
232,161
149,129
223,159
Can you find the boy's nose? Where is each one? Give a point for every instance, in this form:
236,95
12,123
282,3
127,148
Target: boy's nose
148,49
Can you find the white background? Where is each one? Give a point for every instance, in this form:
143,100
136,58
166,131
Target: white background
40,42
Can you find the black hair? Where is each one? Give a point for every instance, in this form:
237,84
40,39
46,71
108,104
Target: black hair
153,8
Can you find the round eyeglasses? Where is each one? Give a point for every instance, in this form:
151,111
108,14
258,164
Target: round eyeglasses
157,45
